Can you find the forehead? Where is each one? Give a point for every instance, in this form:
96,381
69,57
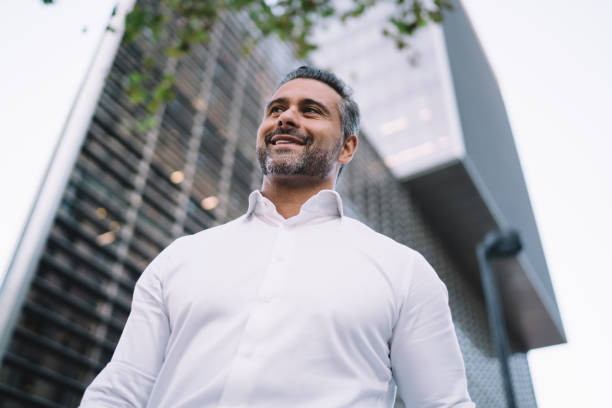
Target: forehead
302,88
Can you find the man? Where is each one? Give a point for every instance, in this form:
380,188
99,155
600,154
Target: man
293,304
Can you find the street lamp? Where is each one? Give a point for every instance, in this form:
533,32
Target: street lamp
498,244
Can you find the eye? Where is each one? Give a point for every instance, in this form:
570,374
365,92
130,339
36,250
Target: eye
275,109
312,109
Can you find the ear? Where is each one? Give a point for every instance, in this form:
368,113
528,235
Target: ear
349,147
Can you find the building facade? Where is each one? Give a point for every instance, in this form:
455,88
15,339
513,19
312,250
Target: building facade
132,192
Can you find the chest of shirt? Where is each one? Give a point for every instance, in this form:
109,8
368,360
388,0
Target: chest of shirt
314,275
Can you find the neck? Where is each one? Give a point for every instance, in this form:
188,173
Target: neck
289,193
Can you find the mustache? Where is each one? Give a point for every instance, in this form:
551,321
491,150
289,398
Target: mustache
285,131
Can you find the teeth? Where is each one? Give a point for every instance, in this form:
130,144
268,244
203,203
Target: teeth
283,141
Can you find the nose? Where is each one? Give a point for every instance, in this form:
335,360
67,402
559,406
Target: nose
288,118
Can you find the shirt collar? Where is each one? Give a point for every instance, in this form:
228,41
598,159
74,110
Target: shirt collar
324,203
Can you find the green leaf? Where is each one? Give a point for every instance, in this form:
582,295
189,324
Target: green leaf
136,78
161,94
135,22
174,52
149,63
435,16
146,124
137,94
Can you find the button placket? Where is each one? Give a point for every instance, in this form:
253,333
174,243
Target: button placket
241,378
274,278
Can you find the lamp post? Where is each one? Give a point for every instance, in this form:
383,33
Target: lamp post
498,244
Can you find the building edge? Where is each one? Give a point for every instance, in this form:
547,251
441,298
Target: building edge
22,265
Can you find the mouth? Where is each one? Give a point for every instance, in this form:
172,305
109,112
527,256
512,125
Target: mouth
284,139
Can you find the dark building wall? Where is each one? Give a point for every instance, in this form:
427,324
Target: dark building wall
121,208
489,141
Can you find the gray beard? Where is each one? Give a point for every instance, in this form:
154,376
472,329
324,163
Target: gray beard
313,162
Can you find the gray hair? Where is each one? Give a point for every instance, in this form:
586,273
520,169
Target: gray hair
349,110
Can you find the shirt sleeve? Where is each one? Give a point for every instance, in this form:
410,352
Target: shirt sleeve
425,358
128,378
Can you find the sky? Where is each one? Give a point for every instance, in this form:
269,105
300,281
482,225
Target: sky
46,51
553,62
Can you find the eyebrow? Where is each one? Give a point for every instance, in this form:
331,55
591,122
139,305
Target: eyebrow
309,101
306,101
277,100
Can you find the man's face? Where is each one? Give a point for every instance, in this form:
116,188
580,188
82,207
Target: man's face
301,132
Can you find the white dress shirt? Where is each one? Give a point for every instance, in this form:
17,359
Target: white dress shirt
313,311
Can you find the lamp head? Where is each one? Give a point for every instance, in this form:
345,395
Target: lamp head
503,243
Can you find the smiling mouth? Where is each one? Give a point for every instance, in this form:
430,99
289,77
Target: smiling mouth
283,142
286,140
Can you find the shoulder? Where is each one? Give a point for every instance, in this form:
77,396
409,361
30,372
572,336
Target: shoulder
375,241
197,245
207,236
416,272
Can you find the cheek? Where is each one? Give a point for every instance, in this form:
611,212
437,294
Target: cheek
266,124
332,134
261,131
